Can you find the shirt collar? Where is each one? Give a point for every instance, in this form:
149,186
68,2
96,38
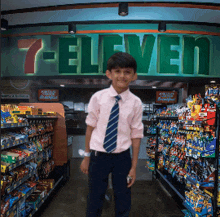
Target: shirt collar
124,95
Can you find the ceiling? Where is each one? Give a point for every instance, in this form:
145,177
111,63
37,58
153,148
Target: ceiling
7,5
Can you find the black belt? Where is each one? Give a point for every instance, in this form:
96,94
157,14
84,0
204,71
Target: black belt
98,153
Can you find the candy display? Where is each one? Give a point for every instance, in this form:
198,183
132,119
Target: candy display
213,92
185,154
27,154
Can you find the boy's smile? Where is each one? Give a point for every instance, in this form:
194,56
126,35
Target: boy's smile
121,78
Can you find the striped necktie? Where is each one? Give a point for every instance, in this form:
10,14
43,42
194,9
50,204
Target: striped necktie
110,140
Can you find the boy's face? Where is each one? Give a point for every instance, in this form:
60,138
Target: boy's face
121,77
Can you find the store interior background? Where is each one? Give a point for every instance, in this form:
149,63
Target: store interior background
79,90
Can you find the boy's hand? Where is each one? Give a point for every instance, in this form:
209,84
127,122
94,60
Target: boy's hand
85,165
132,174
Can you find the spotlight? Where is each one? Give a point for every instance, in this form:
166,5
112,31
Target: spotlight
212,82
123,9
4,24
154,87
62,85
162,27
72,28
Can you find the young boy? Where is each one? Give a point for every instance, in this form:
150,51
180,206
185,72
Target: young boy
114,123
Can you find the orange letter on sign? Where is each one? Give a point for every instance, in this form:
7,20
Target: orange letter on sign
33,46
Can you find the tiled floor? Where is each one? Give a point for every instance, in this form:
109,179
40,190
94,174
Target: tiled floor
148,198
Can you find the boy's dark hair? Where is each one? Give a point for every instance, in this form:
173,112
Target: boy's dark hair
122,60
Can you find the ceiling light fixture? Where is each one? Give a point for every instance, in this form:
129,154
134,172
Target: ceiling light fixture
154,87
213,82
123,9
72,28
4,24
62,85
162,27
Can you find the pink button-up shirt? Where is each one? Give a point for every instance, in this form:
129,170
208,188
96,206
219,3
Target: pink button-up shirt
130,118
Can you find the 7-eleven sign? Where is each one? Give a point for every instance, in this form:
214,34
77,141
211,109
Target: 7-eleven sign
33,46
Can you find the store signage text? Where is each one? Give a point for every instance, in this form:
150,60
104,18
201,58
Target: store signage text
190,56
170,54
48,95
166,97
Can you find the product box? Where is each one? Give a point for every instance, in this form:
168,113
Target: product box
33,201
4,167
47,181
9,157
26,110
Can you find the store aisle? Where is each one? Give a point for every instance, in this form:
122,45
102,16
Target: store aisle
148,198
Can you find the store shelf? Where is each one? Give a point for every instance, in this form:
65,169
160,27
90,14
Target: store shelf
13,125
19,163
191,122
174,189
174,118
41,117
14,207
39,136
10,143
149,134
196,214
44,199
15,185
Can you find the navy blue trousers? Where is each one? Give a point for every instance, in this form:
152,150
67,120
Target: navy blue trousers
101,165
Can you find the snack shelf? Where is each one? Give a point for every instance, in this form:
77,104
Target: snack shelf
150,134
10,143
174,189
196,214
5,168
13,125
44,199
15,185
18,203
39,136
174,118
191,122
40,117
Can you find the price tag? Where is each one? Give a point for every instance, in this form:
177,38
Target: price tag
193,122
9,189
8,145
197,185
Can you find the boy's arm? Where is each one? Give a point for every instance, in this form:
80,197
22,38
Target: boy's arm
85,163
89,130
135,152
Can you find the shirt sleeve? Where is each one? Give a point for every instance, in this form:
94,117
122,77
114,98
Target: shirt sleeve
93,112
136,124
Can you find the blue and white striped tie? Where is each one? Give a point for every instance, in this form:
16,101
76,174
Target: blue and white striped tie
110,140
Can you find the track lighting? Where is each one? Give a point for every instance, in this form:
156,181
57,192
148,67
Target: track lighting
123,9
72,28
4,24
162,27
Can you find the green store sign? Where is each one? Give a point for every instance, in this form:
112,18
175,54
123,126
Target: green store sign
156,54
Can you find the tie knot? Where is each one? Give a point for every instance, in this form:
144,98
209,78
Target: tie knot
117,98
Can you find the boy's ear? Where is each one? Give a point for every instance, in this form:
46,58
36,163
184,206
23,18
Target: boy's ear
135,77
108,74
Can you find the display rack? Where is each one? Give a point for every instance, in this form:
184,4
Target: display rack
59,150
179,188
